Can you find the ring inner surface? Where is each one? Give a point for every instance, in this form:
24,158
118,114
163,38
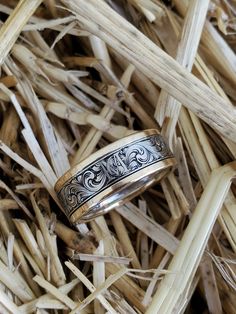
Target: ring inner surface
122,194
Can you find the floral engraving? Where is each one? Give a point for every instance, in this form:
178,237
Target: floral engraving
110,169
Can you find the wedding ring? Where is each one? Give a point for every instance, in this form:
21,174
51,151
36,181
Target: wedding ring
113,175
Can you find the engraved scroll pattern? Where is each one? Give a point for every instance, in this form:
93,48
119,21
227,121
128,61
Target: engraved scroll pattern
110,169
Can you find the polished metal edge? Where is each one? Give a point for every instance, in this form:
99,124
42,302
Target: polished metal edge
110,169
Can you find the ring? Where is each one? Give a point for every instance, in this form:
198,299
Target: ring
113,175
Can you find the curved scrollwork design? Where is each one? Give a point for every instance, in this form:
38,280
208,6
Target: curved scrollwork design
110,169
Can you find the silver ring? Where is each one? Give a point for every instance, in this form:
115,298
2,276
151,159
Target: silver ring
113,175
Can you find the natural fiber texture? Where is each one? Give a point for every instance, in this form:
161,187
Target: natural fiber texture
99,19
77,75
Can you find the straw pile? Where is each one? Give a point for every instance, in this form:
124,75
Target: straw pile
78,74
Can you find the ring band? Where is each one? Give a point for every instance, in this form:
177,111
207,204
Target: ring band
113,175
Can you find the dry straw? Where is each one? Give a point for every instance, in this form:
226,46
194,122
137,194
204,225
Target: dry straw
77,75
